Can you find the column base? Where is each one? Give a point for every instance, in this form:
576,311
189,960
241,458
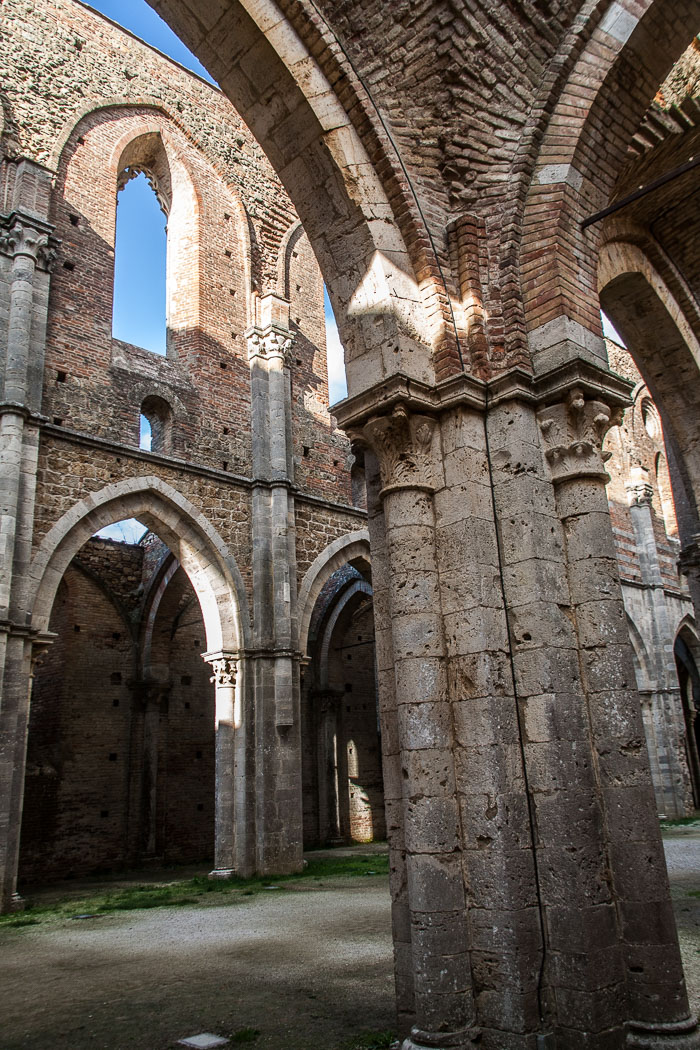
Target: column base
679,1035
421,1040
222,873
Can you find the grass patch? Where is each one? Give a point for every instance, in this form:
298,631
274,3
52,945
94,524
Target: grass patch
682,822
245,1035
373,1041
199,890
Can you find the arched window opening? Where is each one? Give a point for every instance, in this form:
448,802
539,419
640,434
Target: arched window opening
689,681
650,417
337,382
155,425
140,251
145,433
663,482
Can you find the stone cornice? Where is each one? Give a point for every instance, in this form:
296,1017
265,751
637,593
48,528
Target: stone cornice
190,467
595,383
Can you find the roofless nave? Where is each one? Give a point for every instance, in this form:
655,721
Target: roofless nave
445,162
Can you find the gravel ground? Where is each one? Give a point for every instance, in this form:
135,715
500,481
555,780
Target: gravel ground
309,967
682,847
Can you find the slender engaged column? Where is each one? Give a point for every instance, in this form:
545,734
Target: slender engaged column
278,809
227,718
26,239
674,792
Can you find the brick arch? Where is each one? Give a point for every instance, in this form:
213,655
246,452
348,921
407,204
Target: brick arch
641,656
291,237
666,351
154,118
206,560
354,546
349,594
583,149
346,183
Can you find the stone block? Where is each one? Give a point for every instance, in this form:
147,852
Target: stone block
485,721
435,883
424,725
496,821
431,825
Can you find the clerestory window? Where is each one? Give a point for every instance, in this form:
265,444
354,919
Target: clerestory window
140,253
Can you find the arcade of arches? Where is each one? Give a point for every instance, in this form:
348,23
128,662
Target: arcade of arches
424,616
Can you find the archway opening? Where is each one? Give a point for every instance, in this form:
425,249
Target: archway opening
689,681
121,745
341,736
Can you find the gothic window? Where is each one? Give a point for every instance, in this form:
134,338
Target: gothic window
139,311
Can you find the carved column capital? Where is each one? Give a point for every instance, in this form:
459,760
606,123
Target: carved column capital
639,491
269,343
225,668
21,237
573,433
403,444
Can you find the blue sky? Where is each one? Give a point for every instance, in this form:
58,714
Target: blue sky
142,20
139,268
140,249
138,314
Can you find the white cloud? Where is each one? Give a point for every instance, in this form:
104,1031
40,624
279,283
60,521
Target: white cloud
128,531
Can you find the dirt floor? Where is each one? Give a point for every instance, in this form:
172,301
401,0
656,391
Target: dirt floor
308,965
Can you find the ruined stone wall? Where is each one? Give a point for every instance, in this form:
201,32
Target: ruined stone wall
78,761
85,787
80,92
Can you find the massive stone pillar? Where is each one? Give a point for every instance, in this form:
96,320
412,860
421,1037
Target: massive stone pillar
274,657
524,841
26,252
640,927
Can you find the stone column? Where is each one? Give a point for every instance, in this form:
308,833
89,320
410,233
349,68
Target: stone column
391,752
227,719
327,766
657,1007
427,832
674,791
26,242
275,659
24,652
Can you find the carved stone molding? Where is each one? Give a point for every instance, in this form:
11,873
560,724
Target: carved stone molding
573,433
269,344
21,237
689,560
225,668
639,491
132,171
403,445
